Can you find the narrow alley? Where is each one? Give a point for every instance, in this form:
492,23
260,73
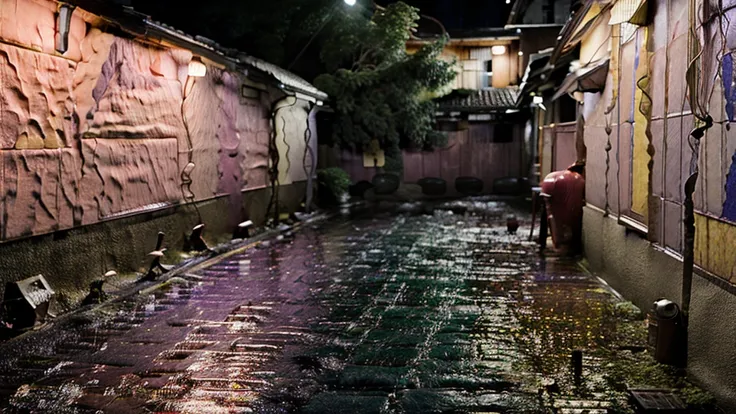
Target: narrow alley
416,313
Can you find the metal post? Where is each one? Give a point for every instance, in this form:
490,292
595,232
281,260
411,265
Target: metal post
577,367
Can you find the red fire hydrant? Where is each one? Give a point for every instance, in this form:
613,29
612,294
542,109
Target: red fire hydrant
564,198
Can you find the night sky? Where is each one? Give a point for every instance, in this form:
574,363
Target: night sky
464,14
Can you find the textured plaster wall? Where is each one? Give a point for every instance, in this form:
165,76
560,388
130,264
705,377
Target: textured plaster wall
71,259
93,144
108,128
643,274
138,93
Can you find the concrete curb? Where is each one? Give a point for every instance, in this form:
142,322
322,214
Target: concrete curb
196,263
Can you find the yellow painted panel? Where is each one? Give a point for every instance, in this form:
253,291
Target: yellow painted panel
714,246
597,43
642,112
614,65
701,241
374,156
593,12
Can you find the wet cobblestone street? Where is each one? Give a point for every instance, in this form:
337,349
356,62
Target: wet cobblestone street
415,313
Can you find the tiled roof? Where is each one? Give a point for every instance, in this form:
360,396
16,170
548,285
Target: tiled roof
284,76
142,25
482,100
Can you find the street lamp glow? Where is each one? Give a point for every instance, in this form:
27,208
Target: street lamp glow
498,50
350,2
197,69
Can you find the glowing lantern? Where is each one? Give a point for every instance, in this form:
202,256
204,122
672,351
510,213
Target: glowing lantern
498,50
197,69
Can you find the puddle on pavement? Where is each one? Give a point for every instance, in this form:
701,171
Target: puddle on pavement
417,313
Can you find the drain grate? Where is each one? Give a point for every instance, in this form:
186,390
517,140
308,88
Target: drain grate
650,400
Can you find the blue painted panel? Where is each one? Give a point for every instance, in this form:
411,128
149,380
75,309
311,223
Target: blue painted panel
729,207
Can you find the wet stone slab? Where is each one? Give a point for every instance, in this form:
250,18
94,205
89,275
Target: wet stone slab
416,314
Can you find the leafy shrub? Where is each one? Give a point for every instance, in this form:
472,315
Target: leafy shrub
335,180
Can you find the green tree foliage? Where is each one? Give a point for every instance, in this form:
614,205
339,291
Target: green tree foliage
357,54
378,90
335,180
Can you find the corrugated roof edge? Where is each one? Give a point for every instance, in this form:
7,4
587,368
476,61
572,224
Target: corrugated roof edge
286,80
131,21
481,100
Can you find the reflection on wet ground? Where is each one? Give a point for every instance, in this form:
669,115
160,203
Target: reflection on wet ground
414,313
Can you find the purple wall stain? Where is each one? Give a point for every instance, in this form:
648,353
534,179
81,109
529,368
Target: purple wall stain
729,91
729,206
231,158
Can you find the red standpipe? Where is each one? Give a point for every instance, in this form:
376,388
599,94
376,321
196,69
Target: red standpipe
564,198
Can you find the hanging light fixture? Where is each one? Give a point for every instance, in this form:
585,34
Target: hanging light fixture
63,25
197,68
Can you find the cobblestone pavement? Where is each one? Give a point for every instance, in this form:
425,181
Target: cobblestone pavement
415,313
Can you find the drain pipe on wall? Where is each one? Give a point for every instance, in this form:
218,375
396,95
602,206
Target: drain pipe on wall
308,150
688,259
703,122
273,170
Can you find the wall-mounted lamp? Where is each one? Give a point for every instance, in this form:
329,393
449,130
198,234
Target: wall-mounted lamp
498,50
195,241
197,69
96,293
539,102
521,53
243,230
350,2
63,25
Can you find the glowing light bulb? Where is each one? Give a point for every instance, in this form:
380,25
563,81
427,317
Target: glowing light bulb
498,50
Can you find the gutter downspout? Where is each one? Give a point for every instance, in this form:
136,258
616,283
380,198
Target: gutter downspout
706,122
275,159
309,151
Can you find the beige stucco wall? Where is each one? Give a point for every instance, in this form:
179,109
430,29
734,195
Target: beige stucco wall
643,273
596,44
645,266
469,64
292,115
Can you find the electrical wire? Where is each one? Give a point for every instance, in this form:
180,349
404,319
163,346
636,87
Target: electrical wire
275,157
598,49
608,115
186,179
309,151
